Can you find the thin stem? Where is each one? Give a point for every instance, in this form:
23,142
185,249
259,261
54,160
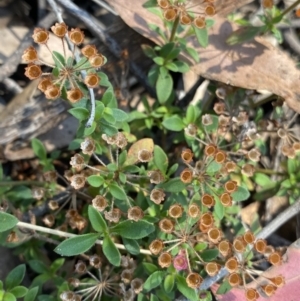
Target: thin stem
290,8
174,29
66,234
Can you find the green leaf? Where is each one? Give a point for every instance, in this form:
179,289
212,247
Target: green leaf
154,280
262,179
169,283
15,277
7,221
119,115
111,252
131,246
122,157
188,292
96,219
166,49
171,66
172,169
58,59
149,267
89,131
292,165
107,128
159,60
214,126
31,294
202,36
209,254
164,87
224,288
219,209
267,192
153,298
19,291
57,264
95,181
107,115
133,230
79,113
182,66
38,266
39,148
193,54
241,194
76,245
200,246
160,159
8,297
107,97
191,114
174,123
117,192
149,51
213,167
174,185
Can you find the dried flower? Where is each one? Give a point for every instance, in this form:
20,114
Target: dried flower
60,29
89,51
164,259
97,60
76,36
74,95
191,130
135,213
77,161
33,71
92,80
194,280
144,155
113,215
156,246
157,195
193,210
137,285
30,55
175,211
40,36
80,267
52,92
180,261
155,176
166,225
207,120
99,203
77,181
186,176
88,146
187,155
254,155
44,83
95,261
38,193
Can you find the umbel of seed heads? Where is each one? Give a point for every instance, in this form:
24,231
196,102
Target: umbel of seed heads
188,12
68,74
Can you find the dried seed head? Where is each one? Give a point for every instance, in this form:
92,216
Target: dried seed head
275,258
208,200
157,195
97,60
224,247
193,211
49,220
155,176
180,261
78,181
44,83
210,10
279,280
30,55
175,211
166,225
80,267
170,13
76,36
269,289
92,80
296,146
144,155
219,107
220,156
40,36
38,193
164,260
191,130
33,71
53,205
207,120
230,186
95,261
137,285
74,282
199,22
60,29
187,155
239,245
223,121
210,150
135,213
234,279
249,237
186,176
185,19
74,95
212,268
113,215
163,3
99,203
254,155
226,199
232,264
77,162
88,146
214,235
52,92
50,176
89,51
267,3
248,170
251,294
193,280
206,219
260,246
127,275
67,296
156,246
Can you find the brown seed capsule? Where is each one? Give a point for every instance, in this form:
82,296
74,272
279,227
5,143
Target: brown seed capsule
157,195
97,60
296,146
52,92
234,279
95,261
166,225
248,170
251,294
239,245
249,238
186,176
67,296
163,3
135,213
187,155
137,285
226,199
44,83
200,22
175,211
88,146
156,246
191,130
230,186
219,107
207,119
77,162
224,247
170,13
76,36
194,211
279,280
220,157
49,220
74,95
214,235
260,246
113,215
275,258
254,155
212,268
164,260
267,3
89,51
60,29
208,200
12,237
78,181
144,155
92,80
210,150
33,71
80,267
210,10
53,205
185,19
40,36
30,55
194,280
155,176
232,264
269,289
99,203
50,176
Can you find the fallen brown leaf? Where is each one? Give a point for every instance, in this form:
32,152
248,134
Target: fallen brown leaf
253,65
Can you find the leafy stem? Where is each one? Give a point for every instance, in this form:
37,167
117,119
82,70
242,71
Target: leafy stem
174,29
